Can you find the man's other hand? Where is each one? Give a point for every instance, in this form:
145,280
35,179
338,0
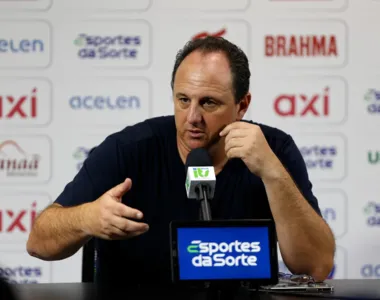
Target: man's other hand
108,218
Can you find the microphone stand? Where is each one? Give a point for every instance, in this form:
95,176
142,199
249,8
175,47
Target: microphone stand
205,212
225,291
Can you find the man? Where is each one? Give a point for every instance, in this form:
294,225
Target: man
132,185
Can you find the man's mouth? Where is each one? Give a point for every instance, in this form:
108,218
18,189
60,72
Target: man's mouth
196,133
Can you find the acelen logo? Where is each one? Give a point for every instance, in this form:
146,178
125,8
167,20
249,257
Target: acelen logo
18,213
100,102
204,34
27,45
310,100
25,101
108,101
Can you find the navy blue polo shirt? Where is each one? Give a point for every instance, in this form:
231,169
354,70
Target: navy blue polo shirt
147,153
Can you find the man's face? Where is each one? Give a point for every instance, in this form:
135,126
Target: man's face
204,99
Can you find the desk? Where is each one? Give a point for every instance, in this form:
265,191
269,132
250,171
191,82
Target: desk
344,289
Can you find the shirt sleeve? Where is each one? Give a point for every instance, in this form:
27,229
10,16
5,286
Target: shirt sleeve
293,161
99,173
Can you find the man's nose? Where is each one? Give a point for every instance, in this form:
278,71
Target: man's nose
194,115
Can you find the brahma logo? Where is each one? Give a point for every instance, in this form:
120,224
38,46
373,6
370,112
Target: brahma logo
204,34
308,43
372,212
232,254
372,98
25,159
301,45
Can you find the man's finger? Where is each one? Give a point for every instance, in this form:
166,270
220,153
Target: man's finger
119,190
129,226
234,143
237,133
125,211
231,126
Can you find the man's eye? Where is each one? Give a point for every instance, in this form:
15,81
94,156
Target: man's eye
209,103
184,99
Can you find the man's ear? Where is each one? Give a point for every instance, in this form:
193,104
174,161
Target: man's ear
243,106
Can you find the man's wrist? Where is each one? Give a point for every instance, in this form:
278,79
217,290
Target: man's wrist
84,219
274,171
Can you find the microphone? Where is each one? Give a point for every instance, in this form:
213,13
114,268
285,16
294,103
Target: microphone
200,180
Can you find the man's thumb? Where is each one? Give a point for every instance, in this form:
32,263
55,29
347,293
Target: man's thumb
119,190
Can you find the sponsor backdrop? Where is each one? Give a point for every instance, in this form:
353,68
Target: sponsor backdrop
74,71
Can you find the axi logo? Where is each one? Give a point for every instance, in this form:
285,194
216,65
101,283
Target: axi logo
372,97
14,161
204,34
300,46
12,220
107,47
374,157
372,211
319,156
22,107
211,254
201,172
300,105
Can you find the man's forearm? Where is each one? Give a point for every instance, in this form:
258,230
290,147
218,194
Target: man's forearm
306,242
58,233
